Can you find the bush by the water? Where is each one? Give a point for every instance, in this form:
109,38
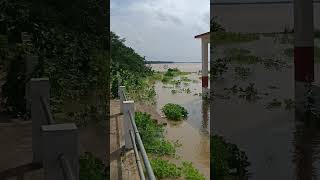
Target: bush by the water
165,169
152,135
175,112
92,168
226,157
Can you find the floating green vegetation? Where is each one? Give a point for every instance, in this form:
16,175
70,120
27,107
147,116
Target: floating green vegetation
242,72
274,64
152,135
249,93
165,169
170,74
185,79
190,172
175,112
242,56
272,87
186,84
186,90
275,103
288,104
91,168
283,39
226,157
222,37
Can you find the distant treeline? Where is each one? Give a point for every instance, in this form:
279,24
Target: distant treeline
158,62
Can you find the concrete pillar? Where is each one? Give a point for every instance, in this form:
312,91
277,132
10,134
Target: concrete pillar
60,139
303,50
204,54
30,63
304,45
38,87
121,92
128,106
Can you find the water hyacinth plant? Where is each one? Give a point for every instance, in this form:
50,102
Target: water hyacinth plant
175,112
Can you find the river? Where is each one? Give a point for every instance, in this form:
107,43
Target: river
193,133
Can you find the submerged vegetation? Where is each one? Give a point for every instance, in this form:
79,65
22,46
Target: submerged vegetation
227,158
152,135
175,112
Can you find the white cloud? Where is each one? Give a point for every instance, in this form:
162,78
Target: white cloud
162,28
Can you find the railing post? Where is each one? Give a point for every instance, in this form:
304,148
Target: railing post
30,64
128,106
121,91
38,87
57,140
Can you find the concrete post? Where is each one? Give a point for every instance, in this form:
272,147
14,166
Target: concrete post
128,106
60,139
303,50
121,96
204,47
38,87
30,64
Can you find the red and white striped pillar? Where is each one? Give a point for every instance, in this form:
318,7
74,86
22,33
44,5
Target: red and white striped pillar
303,49
205,78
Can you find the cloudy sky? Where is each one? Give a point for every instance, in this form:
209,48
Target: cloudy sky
162,29
165,29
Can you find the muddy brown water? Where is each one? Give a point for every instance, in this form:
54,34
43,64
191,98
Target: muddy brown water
278,144
193,133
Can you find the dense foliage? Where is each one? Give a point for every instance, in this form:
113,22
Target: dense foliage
165,169
226,157
71,40
91,168
129,68
175,112
190,172
152,135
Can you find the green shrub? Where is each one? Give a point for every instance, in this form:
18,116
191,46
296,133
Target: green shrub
225,157
190,172
175,112
165,169
152,135
91,168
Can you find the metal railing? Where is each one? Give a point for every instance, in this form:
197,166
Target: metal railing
132,137
52,143
64,163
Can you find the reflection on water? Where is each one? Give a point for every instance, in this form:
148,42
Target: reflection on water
193,133
278,144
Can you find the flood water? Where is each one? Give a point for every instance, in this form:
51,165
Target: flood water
193,133
278,144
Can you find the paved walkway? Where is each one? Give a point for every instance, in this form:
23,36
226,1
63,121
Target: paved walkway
122,166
